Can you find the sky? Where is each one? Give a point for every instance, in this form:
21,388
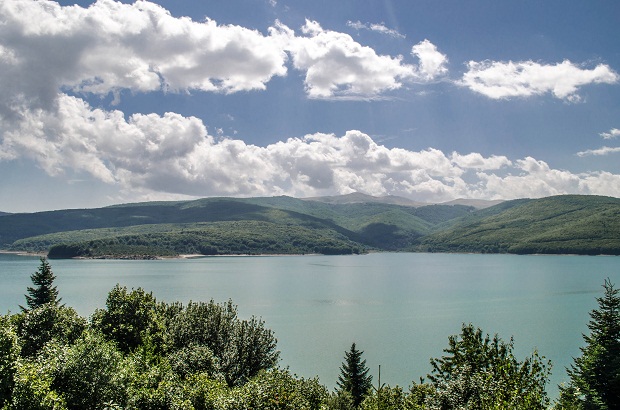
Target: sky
113,102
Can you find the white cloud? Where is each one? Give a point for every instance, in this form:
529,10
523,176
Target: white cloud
613,133
338,66
499,80
377,27
432,62
170,155
111,46
536,179
478,162
599,151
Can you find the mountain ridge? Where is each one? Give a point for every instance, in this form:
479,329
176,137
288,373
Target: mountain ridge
353,223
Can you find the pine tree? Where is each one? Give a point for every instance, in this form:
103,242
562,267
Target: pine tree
44,292
354,377
595,376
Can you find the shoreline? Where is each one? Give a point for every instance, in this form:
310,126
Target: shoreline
23,253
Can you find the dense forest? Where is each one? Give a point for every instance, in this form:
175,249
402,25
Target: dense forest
349,224
138,353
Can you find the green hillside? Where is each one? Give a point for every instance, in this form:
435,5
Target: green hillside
166,228
216,238
285,225
556,225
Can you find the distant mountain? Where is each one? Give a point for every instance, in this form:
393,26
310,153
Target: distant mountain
358,197
4,213
352,223
476,203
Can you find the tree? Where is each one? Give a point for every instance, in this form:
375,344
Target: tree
130,317
44,292
36,327
480,372
354,377
595,376
88,373
9,353
242,347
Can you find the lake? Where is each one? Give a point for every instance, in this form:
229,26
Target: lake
399,308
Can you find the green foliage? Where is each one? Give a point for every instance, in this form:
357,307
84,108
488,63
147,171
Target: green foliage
354,377
9,353
36,327
387,398
340,400
45,291
242,347
276,390
87,373
480,372
192,360
129,318
33,387
595,375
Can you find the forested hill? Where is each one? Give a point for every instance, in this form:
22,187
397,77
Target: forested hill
285,225
567,224
224,226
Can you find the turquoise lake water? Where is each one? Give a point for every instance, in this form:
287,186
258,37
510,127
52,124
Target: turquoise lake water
399,308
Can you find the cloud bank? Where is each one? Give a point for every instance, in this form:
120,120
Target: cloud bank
172,154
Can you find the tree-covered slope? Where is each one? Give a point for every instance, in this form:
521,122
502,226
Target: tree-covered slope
377,225
215,238
561,224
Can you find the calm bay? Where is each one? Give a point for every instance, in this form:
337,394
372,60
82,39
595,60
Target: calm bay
399,308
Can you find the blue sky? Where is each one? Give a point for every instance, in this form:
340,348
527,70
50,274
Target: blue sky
107,102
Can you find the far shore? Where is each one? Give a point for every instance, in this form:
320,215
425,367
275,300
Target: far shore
139,257
24,253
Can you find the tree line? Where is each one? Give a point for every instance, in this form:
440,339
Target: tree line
138,353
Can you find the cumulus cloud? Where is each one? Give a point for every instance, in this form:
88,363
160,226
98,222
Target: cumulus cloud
478,162
534,178
432,62
498,80
140,47
377,27
338,66
111,46
170,155
613,133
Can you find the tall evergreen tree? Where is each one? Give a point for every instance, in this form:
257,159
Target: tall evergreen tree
44,292
354,377
595,376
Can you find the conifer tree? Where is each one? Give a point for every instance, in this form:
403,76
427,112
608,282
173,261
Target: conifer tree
354,377
44,292
595,376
